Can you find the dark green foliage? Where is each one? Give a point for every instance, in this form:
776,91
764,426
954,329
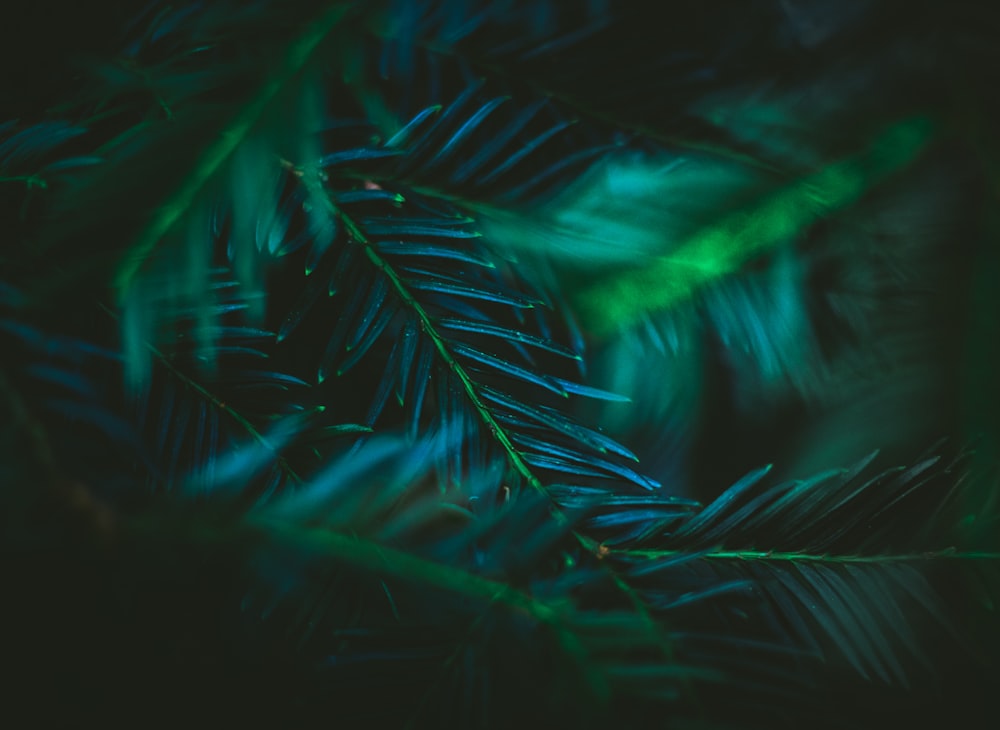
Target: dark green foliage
414,364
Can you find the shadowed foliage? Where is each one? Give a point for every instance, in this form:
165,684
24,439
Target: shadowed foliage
496,363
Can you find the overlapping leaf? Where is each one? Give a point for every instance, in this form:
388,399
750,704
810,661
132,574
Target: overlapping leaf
828,566
399,267
324,577
376,578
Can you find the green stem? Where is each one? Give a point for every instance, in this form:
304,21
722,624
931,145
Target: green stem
427,325
387,561
777,556
723,248
31,181
383,560
220,404
501,436
235,415
228,141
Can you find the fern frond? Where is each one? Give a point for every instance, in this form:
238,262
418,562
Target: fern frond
406,247
333,335
354,572
827,565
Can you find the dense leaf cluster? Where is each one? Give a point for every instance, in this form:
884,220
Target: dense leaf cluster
413,364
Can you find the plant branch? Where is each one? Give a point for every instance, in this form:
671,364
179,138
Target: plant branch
220,404
427,325
947,554
228,141
498,432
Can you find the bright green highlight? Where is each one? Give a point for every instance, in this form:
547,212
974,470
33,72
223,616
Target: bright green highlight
721,249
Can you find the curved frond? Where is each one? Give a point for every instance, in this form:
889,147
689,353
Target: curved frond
382,361
828,565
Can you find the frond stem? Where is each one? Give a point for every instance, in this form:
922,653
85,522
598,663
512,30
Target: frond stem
513,455
383,560
229,411
798,557
226,144
220,404
427,325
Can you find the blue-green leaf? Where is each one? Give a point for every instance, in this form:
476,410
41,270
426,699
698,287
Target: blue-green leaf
505,367
511,335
